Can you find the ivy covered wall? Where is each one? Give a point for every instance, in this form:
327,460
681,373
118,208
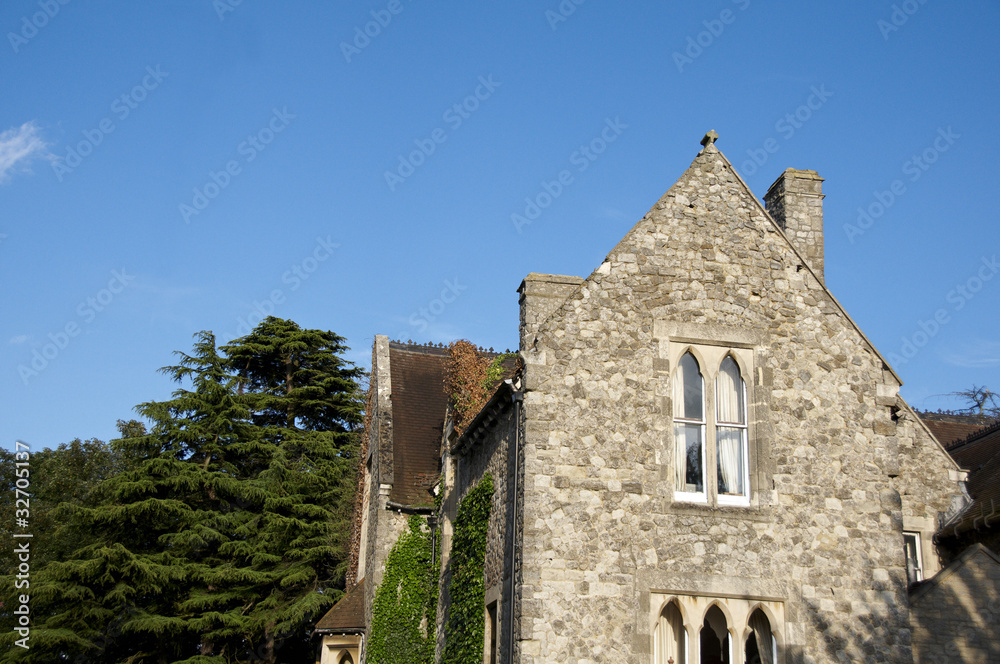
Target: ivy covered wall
405,606
465,630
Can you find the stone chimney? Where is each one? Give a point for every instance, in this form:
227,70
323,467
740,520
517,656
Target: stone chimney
795,201
541,295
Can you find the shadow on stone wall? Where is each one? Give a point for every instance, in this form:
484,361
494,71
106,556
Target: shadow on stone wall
954,621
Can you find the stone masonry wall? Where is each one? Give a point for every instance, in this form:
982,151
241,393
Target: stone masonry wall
384,527
493,453
921,472
601,528
957,618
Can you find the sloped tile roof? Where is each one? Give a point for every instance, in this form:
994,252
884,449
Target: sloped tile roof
419,405
980,455
347,615
950,432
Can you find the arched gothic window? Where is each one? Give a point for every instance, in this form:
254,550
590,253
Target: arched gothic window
711,428
761,646
715,642
670,638
689,426
731,432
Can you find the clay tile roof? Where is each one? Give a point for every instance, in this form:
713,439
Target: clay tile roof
951,433
347,615
980,455
419,405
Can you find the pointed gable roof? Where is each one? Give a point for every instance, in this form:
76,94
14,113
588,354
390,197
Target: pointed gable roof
685,202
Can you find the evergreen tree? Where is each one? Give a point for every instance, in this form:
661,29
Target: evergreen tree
307,406
221,539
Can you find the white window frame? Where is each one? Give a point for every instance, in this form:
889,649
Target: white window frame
920,557
710,358
696,496
725,499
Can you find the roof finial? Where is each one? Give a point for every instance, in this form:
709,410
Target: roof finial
710,138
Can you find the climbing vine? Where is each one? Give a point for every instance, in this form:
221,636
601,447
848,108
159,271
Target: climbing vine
466,628
470,380
405,608
495,371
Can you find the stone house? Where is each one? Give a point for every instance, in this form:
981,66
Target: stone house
701,459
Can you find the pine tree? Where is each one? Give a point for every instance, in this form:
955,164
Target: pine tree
222,540
118,597
307,405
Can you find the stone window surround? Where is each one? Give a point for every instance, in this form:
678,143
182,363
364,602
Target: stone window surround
709,344
924,528
737,609
491,596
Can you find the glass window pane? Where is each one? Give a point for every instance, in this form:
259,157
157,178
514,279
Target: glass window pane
732,463
689,471
914,573
688,389
729,393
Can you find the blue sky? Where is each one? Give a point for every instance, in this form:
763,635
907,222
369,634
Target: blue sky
173,167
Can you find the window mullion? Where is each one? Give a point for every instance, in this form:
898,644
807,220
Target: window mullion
711,461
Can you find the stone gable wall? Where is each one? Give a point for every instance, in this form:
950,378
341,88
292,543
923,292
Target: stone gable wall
602,531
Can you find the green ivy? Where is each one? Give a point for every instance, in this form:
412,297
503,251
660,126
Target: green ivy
466,628
405,607
495,370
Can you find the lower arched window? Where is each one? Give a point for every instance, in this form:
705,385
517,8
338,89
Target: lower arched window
715,642
670,641
761,647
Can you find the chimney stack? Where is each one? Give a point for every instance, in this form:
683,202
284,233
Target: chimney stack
541,295
795,201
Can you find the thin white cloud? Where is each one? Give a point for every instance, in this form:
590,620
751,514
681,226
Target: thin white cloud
19,339
18,146
979,355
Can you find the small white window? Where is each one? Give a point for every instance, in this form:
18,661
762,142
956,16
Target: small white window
689,430
731,434
914,561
